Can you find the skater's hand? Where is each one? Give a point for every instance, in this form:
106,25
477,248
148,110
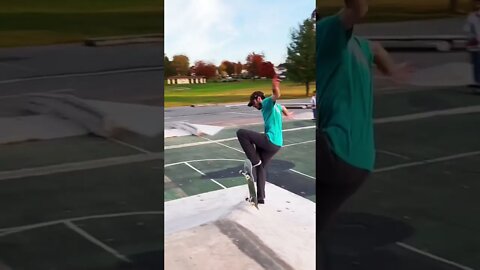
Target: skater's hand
288,114
275,83
402,73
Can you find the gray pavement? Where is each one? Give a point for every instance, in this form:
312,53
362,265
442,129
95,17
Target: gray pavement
223,115
76,58
130,74
452,26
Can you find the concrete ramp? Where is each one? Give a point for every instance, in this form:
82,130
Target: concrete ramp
102,118
178,129
219,230
59,116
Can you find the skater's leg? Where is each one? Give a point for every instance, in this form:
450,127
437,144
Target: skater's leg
336,182
266,156
249,140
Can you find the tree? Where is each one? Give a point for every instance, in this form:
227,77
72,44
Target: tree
254,63
181,64
238,68
230,67
169,69
208,70
301,54
267,70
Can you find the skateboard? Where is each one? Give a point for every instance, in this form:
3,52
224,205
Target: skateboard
248,174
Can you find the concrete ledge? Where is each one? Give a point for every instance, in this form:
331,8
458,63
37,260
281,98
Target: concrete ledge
123,40
443,43
218,229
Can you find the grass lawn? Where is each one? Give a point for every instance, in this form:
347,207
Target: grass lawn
31,22
188,94
399,10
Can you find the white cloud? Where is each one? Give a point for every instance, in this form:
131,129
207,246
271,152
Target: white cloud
216,30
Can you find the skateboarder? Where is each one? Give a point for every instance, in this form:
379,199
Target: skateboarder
345,149
260,148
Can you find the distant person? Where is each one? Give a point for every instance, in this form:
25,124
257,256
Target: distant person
260,148
345,146
313,102
472,27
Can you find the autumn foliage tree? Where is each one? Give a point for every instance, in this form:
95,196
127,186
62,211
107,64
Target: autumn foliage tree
208,70
181,64
267,70
238,68
227,67
254,63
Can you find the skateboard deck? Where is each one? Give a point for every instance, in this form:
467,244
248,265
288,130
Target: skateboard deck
248,174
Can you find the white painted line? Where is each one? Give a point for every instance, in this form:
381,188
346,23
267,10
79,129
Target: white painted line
130,146
434,257
6,231
306,175
393,119
96,241
198,143
78,166
225,140
392,154
235,105
86,74
417,116
200,172
40,92
201,160
241,113
428,161
293,144
222,144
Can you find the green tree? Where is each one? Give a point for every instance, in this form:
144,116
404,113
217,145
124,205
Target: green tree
168,67
301,54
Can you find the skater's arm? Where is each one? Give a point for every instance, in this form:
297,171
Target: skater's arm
384,62
334,32
284,110
382,59
275,88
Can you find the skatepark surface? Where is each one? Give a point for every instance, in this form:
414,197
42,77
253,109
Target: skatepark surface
219,230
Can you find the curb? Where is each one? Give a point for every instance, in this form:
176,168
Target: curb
122,40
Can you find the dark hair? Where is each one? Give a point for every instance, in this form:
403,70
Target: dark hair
254,96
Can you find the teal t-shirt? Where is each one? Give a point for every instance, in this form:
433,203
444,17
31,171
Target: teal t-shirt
272,116
345,92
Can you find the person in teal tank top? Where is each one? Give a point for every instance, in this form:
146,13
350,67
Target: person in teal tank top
261,147
345,148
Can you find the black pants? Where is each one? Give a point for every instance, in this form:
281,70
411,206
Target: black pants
335,179
257,147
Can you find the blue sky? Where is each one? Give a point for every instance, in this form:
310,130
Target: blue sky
217,30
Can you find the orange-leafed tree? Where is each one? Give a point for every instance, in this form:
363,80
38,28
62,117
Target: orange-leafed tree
267,70
208,70
254,63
